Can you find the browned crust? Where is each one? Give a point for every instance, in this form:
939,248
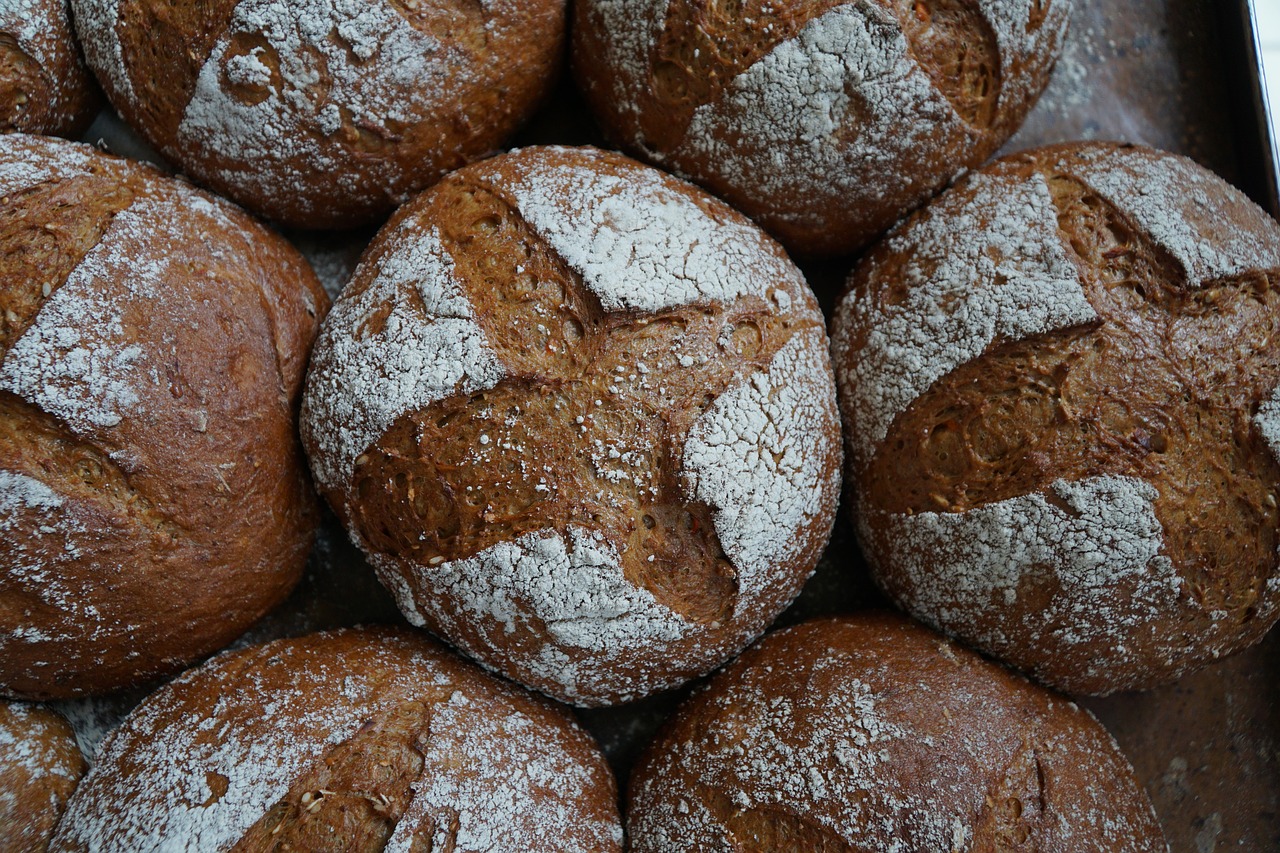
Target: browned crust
44,85
40,766
947,739
195,521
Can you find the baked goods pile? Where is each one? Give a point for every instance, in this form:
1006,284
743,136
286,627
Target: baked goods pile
583,421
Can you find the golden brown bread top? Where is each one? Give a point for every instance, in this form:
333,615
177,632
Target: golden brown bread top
570,401
323,113
40,765
825,121
873,733
359,740
152,345
1058,384
44,85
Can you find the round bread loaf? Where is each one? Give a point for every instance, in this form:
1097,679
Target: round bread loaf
154,501
40,765
581,418
356,740
1059,383
44,85
323,113
873,733
825,121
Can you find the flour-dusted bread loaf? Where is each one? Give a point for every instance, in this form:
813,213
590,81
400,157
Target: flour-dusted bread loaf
44,85
873,733
154,500
825,121
581,417
1059,384
323,113
40,765
355,740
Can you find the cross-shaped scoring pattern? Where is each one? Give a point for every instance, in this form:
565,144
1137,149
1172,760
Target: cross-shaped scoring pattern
581,418
1058,384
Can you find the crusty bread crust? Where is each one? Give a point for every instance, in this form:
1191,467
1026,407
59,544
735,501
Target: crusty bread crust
824,121
580,416
1075,467
153,497
354,740
873,733
44,84
40,765
323,113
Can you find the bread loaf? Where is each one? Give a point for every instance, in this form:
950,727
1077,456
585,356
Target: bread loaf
872,733
40,765
44,85
1059,385
825,121
153,497
322,113
580,417
355,740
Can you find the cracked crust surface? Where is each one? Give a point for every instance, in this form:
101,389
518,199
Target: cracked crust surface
357,740
153,494
44,85
323,113
580,416
824,121
1075,466
873,733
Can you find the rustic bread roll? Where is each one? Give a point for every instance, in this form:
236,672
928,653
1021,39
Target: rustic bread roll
40,765
153,497
825,121
323,113
44,86
581,418
1059,383
872,733
355,740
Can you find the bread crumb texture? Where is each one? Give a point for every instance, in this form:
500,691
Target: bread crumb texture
1059,386
153,497
323,113
40,765
824,121
872,733
357,740
581,417
44,85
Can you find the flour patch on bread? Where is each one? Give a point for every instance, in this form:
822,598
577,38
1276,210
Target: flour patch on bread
27,161
849,65
572,585
429,347
303,705
79,360
97,23
1099,539
639,243
327,64
749,457
1180,205
990,267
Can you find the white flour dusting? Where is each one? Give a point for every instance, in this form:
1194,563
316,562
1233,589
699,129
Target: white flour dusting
747,457
1178,204
80,359
984,266
361,381
258,736
1102,557
638,243
572,586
